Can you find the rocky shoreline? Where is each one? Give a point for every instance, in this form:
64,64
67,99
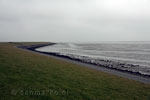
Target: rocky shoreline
114,65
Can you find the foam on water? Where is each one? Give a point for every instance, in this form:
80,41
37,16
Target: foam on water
130,56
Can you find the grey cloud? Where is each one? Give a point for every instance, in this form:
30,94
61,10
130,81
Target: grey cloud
74,20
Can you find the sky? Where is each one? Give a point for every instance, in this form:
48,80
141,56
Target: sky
74,20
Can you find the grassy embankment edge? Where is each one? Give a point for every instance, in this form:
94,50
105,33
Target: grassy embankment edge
22,72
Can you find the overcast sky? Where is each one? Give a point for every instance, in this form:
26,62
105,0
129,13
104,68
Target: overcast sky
74,20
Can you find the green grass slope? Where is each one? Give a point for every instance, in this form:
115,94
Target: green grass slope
29,76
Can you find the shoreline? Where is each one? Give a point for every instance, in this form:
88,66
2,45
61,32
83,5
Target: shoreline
58,56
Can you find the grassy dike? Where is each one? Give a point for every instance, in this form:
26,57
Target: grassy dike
29,76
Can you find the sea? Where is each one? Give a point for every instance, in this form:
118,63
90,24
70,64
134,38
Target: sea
125,56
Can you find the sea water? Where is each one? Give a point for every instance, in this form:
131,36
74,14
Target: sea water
129,56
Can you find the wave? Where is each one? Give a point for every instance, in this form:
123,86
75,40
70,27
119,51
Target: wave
135,68
100,54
